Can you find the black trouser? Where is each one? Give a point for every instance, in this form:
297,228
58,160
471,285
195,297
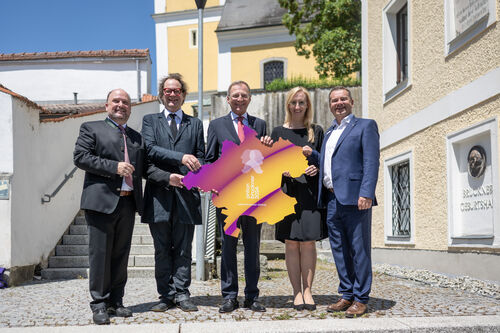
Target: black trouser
250,233
173,242
110,236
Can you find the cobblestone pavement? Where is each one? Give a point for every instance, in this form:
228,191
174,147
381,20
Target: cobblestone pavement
61,303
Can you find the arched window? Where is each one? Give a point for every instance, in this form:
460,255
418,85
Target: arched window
274,69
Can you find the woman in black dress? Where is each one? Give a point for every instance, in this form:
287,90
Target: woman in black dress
301,230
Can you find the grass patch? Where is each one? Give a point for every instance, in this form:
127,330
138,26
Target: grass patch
283,316
310,83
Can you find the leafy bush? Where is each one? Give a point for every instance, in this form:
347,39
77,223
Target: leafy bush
286,84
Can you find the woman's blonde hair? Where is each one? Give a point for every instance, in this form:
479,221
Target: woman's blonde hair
309,111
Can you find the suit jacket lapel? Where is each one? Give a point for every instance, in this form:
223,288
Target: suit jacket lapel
345,133
228,122
182,126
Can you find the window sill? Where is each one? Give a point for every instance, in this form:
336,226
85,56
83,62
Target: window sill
397,90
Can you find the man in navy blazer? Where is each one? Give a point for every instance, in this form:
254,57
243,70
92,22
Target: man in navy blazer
349,163
174,143
220,130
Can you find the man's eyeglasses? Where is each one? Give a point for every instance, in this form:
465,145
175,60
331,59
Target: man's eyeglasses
177,91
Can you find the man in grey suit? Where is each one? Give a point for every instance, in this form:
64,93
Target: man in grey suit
230,127
113,157
175,143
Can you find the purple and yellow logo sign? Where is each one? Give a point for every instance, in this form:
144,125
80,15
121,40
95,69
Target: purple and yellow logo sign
248,179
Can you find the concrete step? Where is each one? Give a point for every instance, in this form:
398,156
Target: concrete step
144,261
142,240
79,220
65,273
83,261
142,250
72,250
83,273
141,229
83,250
75,239
80,229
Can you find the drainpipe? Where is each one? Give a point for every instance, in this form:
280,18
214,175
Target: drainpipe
139,94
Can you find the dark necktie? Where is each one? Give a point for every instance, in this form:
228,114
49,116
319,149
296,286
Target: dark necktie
173,125
241,133
128,179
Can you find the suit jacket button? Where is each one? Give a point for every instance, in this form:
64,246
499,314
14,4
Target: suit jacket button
122,148
118,189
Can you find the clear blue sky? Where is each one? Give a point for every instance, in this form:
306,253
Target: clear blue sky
72,25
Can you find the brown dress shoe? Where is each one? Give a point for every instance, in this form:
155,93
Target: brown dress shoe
341,305
357,309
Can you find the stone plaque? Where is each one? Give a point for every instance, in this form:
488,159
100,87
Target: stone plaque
4,189
472,185
468,12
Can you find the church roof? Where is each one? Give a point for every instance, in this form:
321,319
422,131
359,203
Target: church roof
244,14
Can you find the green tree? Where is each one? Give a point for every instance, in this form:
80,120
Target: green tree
330,29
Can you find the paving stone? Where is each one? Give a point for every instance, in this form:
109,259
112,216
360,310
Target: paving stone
66,302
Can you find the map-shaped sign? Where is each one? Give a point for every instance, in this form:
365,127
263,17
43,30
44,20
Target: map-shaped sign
248,179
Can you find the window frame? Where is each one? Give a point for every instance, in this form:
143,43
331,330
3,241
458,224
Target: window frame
389,163
393,85
191,32
267,60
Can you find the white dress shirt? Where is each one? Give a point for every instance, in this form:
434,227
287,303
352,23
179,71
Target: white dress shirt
330,148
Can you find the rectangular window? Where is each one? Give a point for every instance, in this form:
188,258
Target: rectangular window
396,47
402,43
398,199
193,38
401,213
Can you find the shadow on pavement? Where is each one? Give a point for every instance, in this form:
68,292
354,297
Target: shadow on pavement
273,302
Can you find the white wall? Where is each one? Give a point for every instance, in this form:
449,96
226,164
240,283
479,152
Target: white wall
57,80
6,168
43,153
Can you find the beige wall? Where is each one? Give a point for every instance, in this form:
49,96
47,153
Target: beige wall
428,61
429,180
178,5
245,62
433,76
184,60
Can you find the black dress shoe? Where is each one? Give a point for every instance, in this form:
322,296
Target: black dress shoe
187,306
310,307
254,305
101,317
163,306
119,310
229,305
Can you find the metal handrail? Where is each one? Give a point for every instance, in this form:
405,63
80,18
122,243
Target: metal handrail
46,197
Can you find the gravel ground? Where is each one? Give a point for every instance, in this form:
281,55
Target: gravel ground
464,283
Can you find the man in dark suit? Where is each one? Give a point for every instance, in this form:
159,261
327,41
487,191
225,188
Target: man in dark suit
175,143
349,163
230,127
113,158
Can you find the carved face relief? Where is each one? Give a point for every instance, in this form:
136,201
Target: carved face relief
476,161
